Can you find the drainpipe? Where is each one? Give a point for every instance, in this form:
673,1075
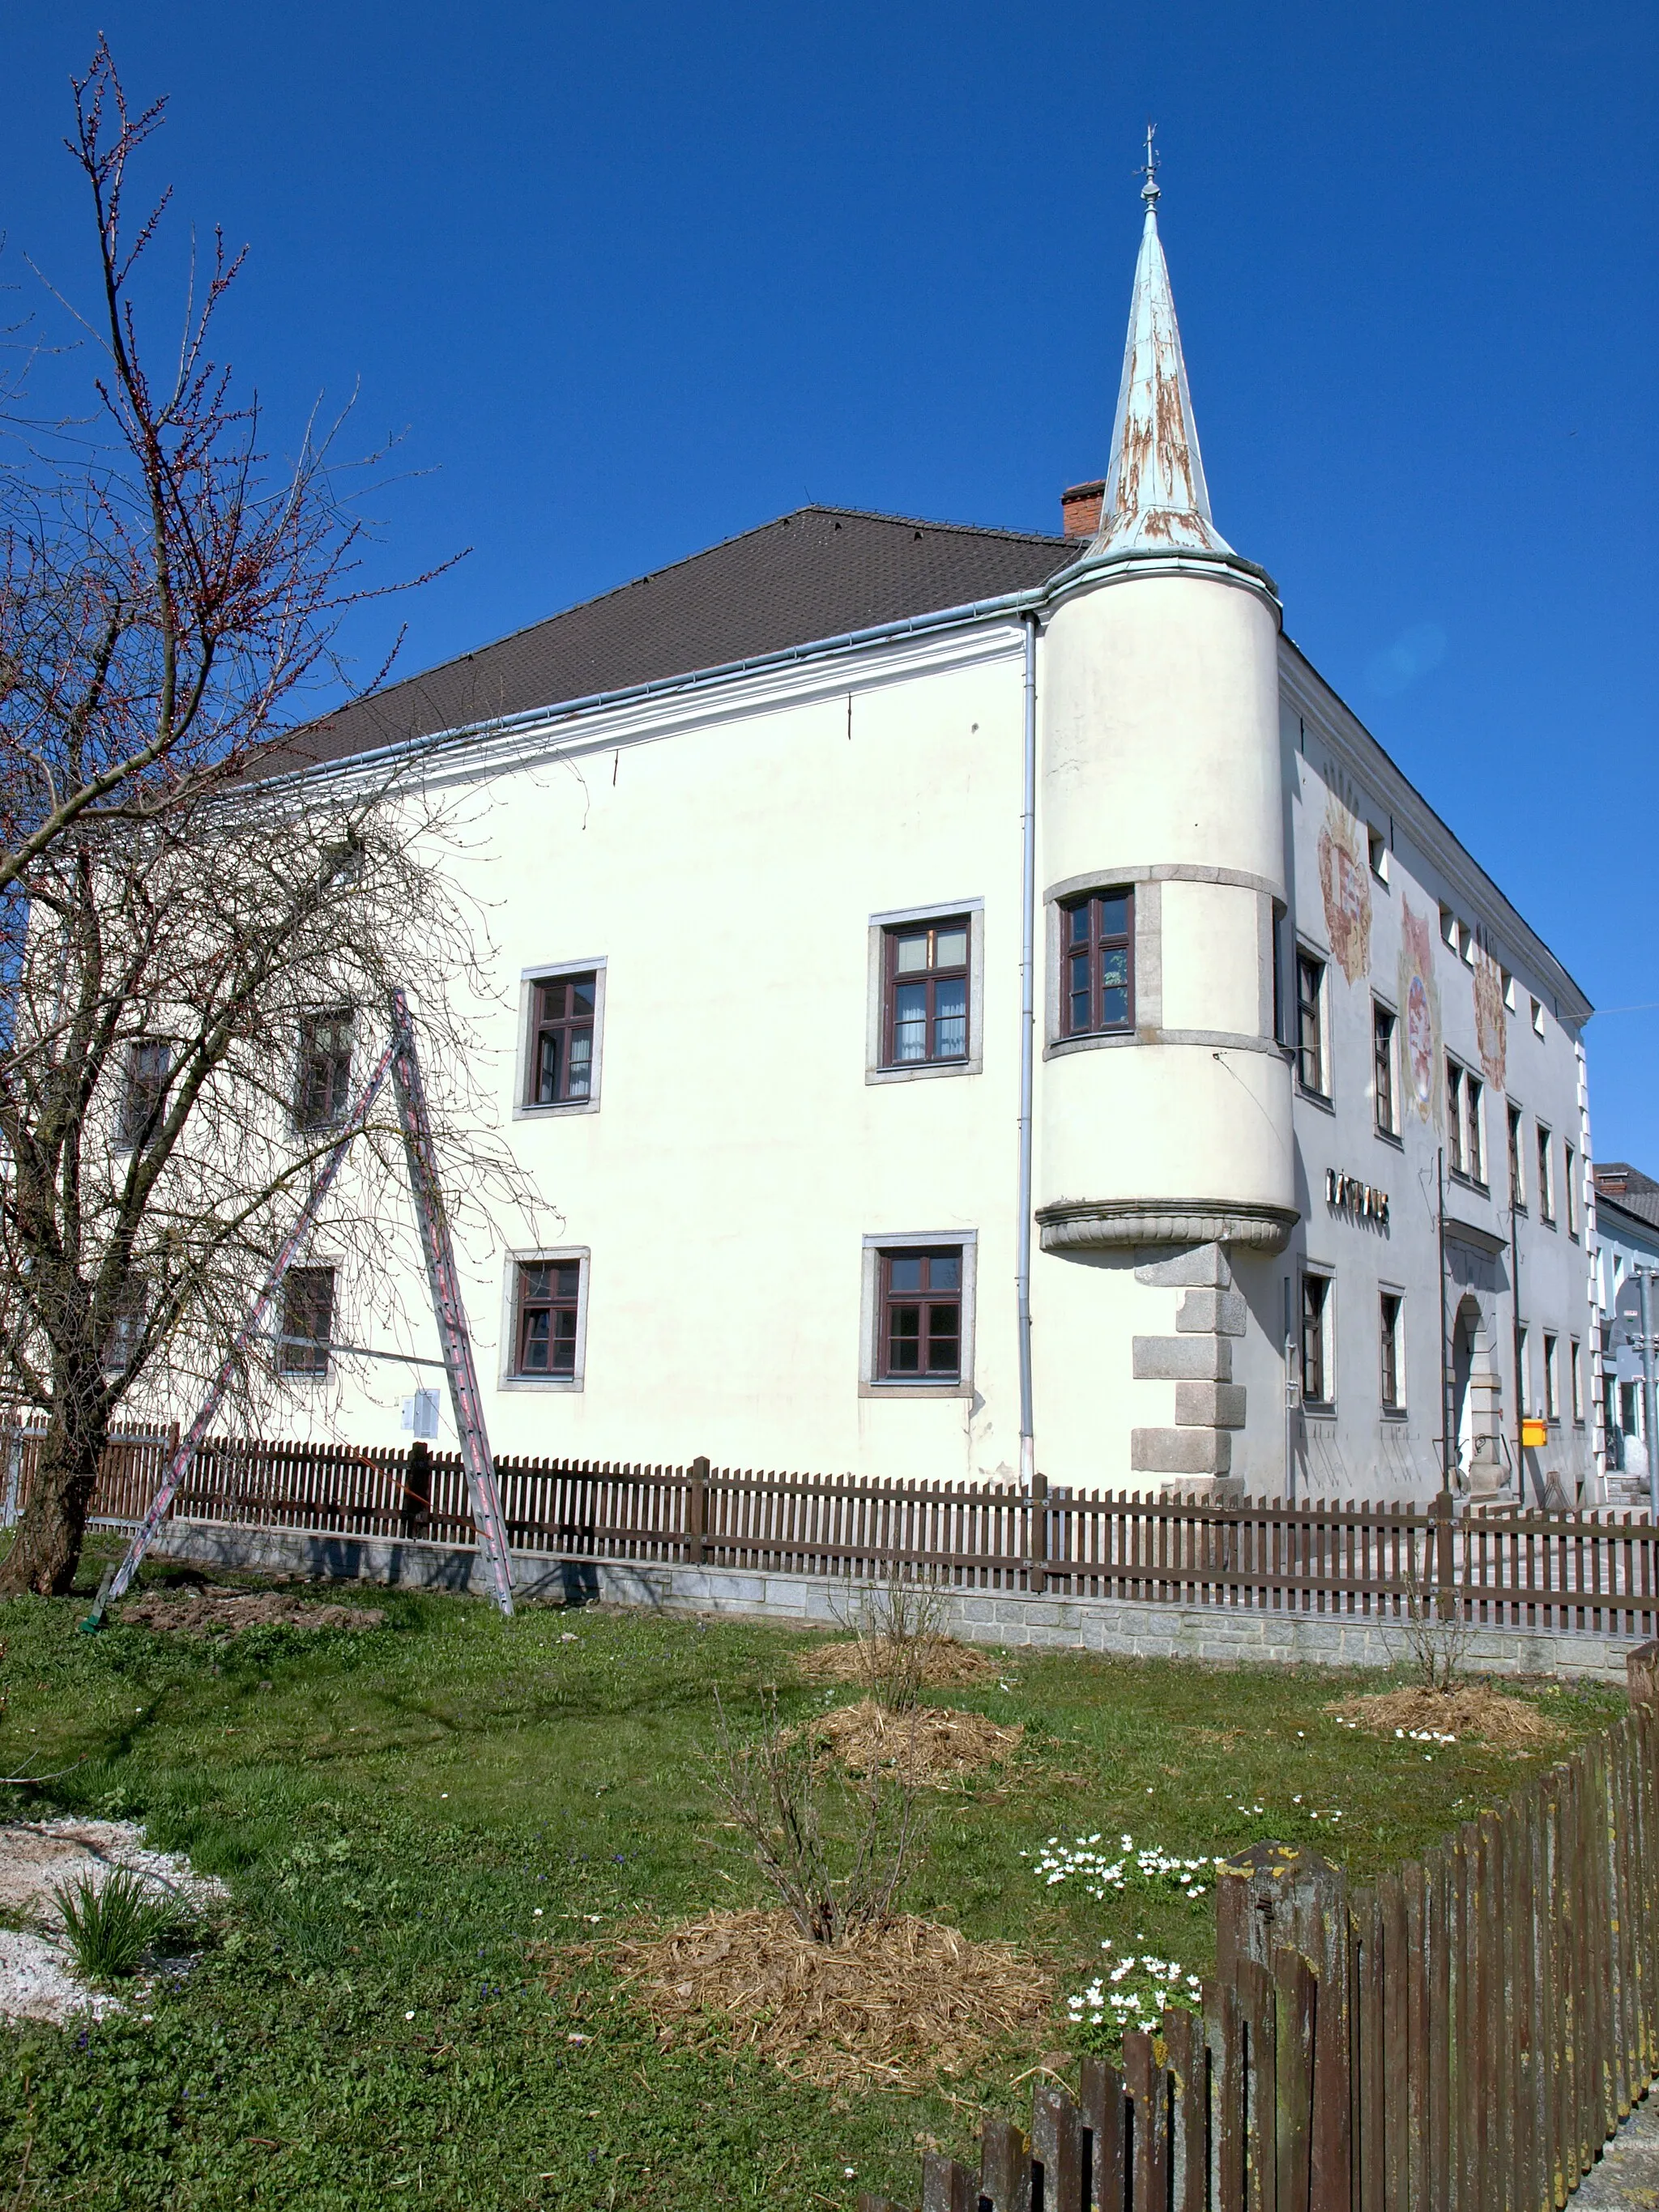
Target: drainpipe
1027,1028
1448,1440
1643,1276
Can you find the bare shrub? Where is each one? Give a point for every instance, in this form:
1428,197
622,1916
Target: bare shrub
896,1625
1434,1634
835,1876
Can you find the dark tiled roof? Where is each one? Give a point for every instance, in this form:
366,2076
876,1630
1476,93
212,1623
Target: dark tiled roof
1628,1190
815,573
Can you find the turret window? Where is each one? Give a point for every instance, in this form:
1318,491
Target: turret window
1311,1065
1097,990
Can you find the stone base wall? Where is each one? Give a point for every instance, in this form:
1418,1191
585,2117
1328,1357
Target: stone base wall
1221,1635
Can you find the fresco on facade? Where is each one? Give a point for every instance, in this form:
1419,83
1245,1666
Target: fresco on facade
1345,879
1491,1029
1419,1007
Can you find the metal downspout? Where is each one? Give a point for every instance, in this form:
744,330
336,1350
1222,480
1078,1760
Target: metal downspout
1027,1028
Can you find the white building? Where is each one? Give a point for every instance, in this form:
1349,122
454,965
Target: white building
767,835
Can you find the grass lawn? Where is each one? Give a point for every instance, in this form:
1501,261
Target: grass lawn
419,1822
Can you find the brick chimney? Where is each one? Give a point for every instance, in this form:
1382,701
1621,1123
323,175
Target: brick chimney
1080,508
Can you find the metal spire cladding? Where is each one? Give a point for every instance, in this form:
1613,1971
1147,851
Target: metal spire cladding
1156,498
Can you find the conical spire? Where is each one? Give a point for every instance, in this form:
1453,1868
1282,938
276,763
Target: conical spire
1156,498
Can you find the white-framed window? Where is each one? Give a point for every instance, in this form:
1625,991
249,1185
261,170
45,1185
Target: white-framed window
1537,1019
1546,1176
1552,1380
926,1009
1313,1059
1466,1125
916,1314
1376,846
545,1319
1523,1366
1575,1382
1507,981
1385,1069
561,1038
1318,1347
1391,1324
1570,1190
1517,1164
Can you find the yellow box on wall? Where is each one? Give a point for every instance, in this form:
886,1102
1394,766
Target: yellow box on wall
1533,1434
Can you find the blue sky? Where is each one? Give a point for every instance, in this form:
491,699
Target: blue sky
630,279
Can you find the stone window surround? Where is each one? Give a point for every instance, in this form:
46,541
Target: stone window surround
876,987
544,972
311,1378
870,1306
1401,1409
582,1254
1318,1409
1146,879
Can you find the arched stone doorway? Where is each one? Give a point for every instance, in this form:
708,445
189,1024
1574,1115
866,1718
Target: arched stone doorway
1477,1406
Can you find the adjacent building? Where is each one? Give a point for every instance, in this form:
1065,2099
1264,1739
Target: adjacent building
1626,1248
980,1001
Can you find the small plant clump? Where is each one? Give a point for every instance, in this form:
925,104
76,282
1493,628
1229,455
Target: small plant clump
1134,1993
110,1924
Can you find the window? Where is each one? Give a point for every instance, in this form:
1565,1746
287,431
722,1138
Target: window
308,1321
150,1062
1098,991
1316,1340
1466,944
1280,919
1570,1186
563,1008
1392,1395
1377,848
322,1092
1384,1030
1546,1180
920,1327
1448,928
1523,1367
1310,1024
1552,1394
121,1344
1575,1382
926,993
1537,1019
1517,1186
1507,983
549,1303
1465,1123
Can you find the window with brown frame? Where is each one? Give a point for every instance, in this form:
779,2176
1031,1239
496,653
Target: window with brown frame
1315,1339
322,1093
549,1302
150,1062
1552,1388
920,1317
1546,1178
1575,1378
924,1009
1392,1304
1570,1189
1383,1029
561,1046
1310,1024
125,1329
1098,994
308,1321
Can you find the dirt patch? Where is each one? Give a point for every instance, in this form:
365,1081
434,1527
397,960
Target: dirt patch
899,2005
200,1613
38,1976
941,1664
928,1744
1474,1709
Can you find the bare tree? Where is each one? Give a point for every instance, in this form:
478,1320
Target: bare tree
195,962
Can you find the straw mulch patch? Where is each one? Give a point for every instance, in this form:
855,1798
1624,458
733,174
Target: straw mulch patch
192,1613
1472,1708
928,1744
897,2006
939,1662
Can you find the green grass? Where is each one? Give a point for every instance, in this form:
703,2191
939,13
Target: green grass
406,1815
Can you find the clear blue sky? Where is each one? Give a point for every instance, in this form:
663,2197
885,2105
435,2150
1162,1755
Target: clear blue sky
632,278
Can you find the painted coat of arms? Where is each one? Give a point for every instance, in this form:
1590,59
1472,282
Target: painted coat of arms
1419,1013
1491,1027
1345,880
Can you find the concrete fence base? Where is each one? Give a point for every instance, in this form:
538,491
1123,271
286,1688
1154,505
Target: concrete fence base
1227,1635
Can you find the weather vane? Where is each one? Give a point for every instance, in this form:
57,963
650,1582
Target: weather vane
1149,191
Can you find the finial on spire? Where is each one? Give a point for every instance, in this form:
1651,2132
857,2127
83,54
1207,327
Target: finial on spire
1149,191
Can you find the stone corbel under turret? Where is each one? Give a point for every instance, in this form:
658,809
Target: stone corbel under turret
1112,1224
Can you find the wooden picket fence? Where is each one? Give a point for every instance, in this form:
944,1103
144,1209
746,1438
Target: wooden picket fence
1463,2037
1596,1572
